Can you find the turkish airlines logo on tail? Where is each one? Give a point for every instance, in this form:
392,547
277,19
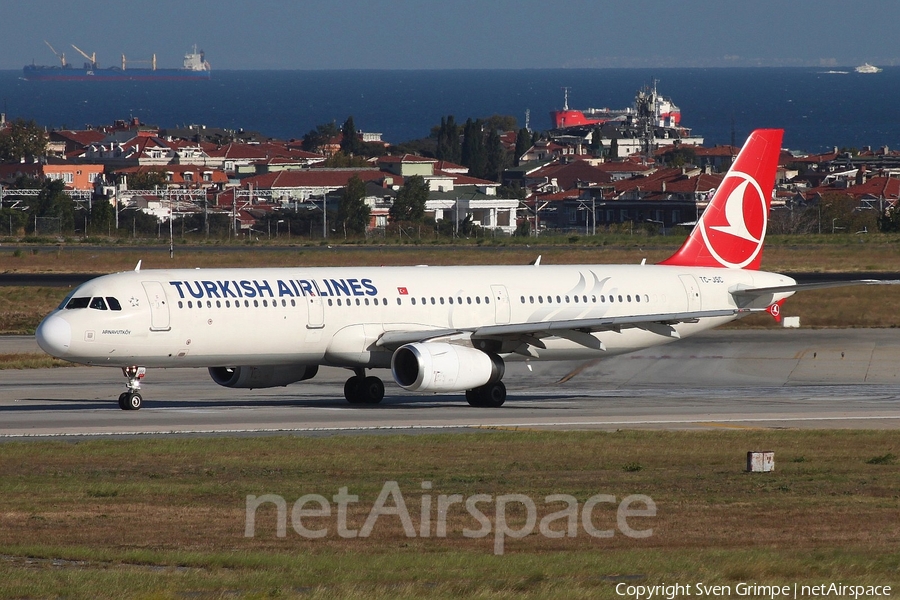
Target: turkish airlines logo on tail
734,232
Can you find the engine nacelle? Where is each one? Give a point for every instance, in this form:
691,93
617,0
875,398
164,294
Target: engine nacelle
262,377
441,367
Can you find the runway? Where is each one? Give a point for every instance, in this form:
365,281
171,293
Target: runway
721,379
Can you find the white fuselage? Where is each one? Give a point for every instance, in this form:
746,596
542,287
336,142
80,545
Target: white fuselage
335,316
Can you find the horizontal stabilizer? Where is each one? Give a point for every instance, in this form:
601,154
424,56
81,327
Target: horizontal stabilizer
750,293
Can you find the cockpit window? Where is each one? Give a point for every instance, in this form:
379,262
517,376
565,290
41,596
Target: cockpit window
78,303
98,304
113,303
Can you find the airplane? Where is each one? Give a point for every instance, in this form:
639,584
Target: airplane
438,329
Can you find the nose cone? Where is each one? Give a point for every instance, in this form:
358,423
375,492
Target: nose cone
54,336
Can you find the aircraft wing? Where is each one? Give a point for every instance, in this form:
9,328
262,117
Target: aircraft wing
576,330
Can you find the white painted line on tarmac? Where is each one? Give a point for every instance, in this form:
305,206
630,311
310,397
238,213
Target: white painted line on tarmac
449,426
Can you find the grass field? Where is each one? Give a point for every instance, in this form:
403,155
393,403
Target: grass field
166,518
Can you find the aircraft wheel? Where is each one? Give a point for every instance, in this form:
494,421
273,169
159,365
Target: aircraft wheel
492,395
352,389
123,399
133,401
372,390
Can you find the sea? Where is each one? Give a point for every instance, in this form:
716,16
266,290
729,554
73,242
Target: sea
818,108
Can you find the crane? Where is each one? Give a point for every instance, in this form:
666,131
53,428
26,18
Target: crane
92,57
61,57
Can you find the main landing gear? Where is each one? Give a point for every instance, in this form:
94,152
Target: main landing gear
360,389
492,395
131,398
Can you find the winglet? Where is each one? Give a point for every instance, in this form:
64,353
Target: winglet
137,268
731,231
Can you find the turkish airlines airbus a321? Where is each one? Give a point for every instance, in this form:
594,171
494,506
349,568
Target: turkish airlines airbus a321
439,329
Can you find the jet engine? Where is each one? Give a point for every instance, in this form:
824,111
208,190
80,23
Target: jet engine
441,367
262,377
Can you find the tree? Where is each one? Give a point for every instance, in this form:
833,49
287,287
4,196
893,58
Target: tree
841,213
523,143
448,147
679,156
316,138
501,123
147,180
473,153
102,218
342,161
409,205
350,142
22,139
597,142
353,212
53,203
496,159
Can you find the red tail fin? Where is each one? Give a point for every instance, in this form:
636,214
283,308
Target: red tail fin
731,231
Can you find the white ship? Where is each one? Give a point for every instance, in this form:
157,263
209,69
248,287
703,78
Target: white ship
867,68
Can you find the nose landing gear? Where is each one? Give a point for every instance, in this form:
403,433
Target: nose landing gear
131,398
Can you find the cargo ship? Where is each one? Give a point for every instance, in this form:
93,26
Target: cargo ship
195,67
664,111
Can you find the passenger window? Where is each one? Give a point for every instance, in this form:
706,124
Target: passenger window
468,299
442,299
180,304
540,299
329,302
413,300
450,299
256,303
620,297
477,299
637,297
294,302
567,299
367,301
523,299
98,304
78,303
576,299
531,299
558,300
611,299
432,299
218,304
487,299
628,297
190,304
399,301
113,303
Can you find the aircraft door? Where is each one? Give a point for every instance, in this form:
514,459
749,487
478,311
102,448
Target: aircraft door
159,307
316,312
501,304
692,289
